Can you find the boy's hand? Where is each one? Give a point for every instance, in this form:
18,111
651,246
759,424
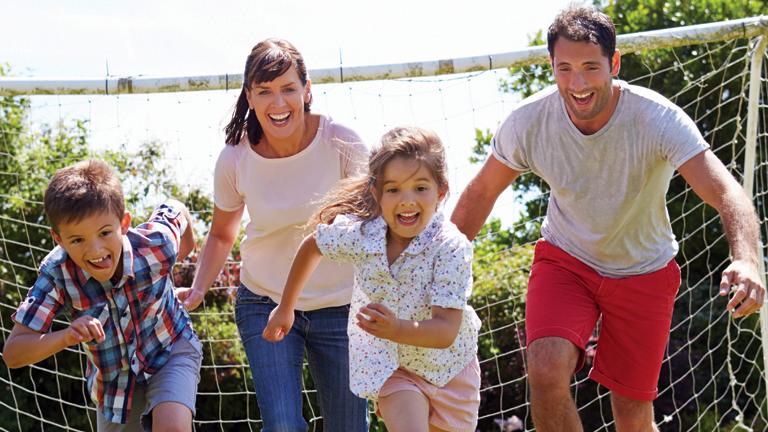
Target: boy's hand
279,324
378,320
84,329
189,298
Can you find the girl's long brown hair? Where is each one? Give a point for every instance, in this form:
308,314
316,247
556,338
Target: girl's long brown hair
359,196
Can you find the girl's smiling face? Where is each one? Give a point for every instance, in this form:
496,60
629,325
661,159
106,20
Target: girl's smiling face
409,197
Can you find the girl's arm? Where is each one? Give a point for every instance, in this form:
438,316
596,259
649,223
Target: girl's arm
221,237
304,264
438,332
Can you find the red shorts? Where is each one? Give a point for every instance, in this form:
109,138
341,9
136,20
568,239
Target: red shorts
566,297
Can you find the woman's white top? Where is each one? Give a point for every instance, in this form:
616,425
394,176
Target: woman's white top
280,195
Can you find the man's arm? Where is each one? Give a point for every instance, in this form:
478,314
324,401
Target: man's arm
477,200
712,182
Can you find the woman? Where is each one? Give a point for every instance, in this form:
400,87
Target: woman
285,161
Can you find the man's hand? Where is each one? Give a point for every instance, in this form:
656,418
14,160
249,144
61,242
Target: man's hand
743,279
84,329
378,320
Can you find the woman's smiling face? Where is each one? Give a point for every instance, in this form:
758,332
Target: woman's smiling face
279,104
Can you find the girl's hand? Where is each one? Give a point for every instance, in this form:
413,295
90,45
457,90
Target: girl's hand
378,320
279,324
84,329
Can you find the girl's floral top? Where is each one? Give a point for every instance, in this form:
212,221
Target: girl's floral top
434,270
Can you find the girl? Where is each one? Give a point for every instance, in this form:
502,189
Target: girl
413,340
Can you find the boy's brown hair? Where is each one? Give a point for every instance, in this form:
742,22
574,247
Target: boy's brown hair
81,190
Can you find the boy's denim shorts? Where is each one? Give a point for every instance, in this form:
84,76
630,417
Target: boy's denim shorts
176,382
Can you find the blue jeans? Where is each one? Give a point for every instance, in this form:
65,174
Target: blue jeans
276,367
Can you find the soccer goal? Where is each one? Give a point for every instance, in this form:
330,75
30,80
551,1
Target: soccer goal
165,133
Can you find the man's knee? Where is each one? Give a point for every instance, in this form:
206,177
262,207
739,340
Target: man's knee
551,361
632,415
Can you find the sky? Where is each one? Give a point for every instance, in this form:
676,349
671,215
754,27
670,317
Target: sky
84,39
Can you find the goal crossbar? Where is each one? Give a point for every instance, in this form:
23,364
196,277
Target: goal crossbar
629,43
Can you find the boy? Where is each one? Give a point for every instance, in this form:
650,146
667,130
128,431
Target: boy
116,283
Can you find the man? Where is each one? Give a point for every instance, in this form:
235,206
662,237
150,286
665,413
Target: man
608,151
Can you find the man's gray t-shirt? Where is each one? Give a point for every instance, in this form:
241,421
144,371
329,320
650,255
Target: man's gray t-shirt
607,202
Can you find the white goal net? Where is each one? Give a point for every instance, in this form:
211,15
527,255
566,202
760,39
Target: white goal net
713,376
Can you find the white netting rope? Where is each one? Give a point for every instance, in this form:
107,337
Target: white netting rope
712,375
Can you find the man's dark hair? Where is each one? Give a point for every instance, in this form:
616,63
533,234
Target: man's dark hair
583,24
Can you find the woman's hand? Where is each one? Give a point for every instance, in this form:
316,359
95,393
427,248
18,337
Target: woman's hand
279,324
189,298
378,320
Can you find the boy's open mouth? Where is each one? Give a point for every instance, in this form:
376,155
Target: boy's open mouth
102,263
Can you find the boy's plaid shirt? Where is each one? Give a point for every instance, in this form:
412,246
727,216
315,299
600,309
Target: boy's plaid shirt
140,314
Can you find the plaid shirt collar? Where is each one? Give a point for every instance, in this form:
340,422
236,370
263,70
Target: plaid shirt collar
128,270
